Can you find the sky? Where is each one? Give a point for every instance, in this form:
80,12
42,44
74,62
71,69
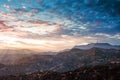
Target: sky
54,25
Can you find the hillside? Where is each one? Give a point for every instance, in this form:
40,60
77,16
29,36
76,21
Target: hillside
63,61
103,72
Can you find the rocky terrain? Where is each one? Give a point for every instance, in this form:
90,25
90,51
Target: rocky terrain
103,72
63,61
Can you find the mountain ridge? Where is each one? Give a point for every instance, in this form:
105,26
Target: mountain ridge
63,61
98,72
97,45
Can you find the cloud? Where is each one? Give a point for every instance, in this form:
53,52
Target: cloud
55,25
42,44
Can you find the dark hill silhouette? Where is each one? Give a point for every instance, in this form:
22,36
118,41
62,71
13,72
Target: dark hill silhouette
98,72
63,61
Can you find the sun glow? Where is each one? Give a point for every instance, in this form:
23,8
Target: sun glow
36,35
40,44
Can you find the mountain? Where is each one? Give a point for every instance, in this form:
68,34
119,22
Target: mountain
2,65
20,56
98,45
75,58
63,61
98,72
11,56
